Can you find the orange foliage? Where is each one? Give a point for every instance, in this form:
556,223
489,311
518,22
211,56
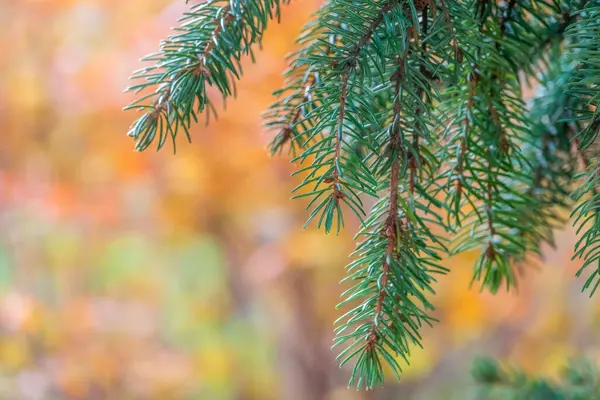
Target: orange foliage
161,276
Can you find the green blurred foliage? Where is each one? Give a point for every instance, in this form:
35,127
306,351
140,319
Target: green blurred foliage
579,380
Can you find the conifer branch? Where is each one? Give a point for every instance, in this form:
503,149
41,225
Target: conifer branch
206,50
458,173
286,125
341,73
390,227
583,38
481,144
365,98
396,263
551,166
584,85
415,155
587,222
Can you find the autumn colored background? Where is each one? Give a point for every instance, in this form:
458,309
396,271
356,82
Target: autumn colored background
150,275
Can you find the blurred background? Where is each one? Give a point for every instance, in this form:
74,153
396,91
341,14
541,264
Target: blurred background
160,276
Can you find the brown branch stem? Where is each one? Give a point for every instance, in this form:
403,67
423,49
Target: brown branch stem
335,178
396,149
415,155
354,54
467,123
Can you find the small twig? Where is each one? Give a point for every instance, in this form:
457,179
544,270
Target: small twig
391,221
415,155
448,19
286,134
198,70
337,193
351,63
467,122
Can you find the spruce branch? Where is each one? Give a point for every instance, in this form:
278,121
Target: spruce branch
205,51
294,108
584,85
587,222
418,104
397,260
546,146
484,133
583,38
288,115
342,67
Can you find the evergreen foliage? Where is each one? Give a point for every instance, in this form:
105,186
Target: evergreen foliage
579,380
415,107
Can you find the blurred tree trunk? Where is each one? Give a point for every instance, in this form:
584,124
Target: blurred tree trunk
305,357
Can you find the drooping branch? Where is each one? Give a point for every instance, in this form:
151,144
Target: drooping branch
396,151
327,139
206,50
360,105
